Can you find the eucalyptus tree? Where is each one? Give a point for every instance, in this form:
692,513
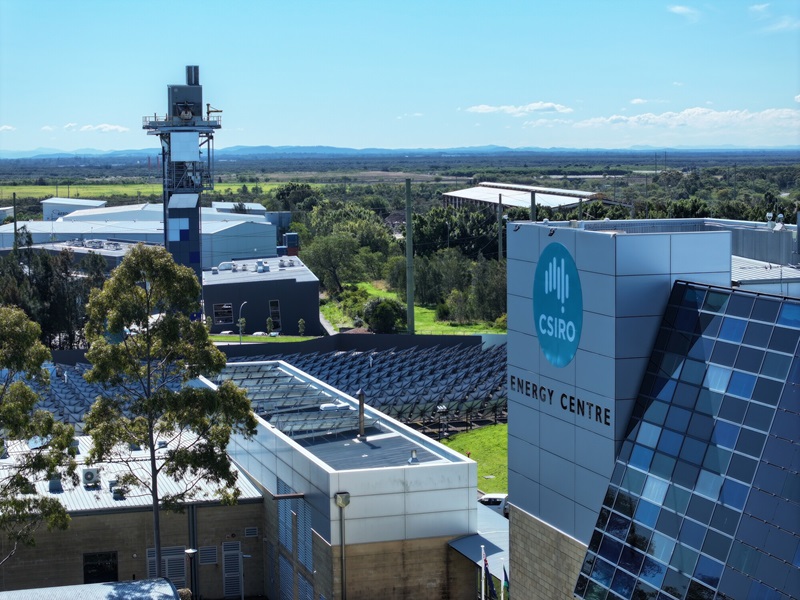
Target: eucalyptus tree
34,444
147,348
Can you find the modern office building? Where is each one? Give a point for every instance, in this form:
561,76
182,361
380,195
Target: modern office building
281,289
357,504
588,310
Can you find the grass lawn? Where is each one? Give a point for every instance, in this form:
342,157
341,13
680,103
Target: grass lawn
425,322
488,446
259,339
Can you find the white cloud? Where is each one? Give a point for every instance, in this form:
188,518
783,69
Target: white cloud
48,128
783,24
684,11
70,126
104,128
409,115
638,101
520,111
677,83
7,128
546,122
704,119
797,98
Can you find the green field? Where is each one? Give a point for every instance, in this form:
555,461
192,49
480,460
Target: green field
425,322
96,191
488,446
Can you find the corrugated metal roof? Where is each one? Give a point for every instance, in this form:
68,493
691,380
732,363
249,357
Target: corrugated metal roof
74,201
147,211
144,589
545,191
493,536
100,497
514,197
747,270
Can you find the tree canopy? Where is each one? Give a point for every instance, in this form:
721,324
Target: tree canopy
38,445
145,348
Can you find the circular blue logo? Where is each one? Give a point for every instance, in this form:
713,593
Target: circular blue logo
557,305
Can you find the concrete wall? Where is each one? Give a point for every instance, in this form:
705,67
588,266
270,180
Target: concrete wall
422,568
544,562
57,558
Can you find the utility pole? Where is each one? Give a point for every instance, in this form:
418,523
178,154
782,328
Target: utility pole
14,197
499,226
409,262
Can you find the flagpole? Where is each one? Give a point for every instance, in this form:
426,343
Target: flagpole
502,584
483,574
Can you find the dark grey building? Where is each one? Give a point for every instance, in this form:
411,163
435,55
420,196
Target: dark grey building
283,289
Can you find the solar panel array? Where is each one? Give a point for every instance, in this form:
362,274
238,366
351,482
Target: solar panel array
415,385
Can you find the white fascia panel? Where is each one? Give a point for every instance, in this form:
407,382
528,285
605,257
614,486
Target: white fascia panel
184,146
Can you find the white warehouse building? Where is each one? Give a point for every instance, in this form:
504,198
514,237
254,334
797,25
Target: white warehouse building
225,235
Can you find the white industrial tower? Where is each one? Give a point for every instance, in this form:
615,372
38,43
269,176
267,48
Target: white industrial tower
187,152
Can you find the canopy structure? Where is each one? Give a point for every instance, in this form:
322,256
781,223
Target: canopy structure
520,196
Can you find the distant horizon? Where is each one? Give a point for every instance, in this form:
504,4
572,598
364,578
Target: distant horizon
445,74
292,149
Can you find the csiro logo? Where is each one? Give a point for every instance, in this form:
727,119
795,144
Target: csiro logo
557,305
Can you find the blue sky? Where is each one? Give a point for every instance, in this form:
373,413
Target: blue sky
410,74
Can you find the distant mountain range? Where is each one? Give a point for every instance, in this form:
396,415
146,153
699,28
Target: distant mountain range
333,151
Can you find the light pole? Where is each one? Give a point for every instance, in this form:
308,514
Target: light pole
239,322
190,554
342,500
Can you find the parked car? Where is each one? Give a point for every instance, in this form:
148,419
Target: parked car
497,502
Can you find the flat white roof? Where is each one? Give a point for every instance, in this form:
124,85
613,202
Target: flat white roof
74,201
519,196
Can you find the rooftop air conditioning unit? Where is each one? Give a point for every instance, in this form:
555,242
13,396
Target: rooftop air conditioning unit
91,476
214,270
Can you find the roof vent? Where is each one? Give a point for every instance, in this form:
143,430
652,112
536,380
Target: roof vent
214,270
160,444
413,460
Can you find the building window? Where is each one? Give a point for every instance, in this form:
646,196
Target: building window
223,314
100,567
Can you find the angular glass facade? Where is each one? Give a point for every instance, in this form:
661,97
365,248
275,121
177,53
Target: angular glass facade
704,500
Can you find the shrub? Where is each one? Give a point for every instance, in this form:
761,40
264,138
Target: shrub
383,315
